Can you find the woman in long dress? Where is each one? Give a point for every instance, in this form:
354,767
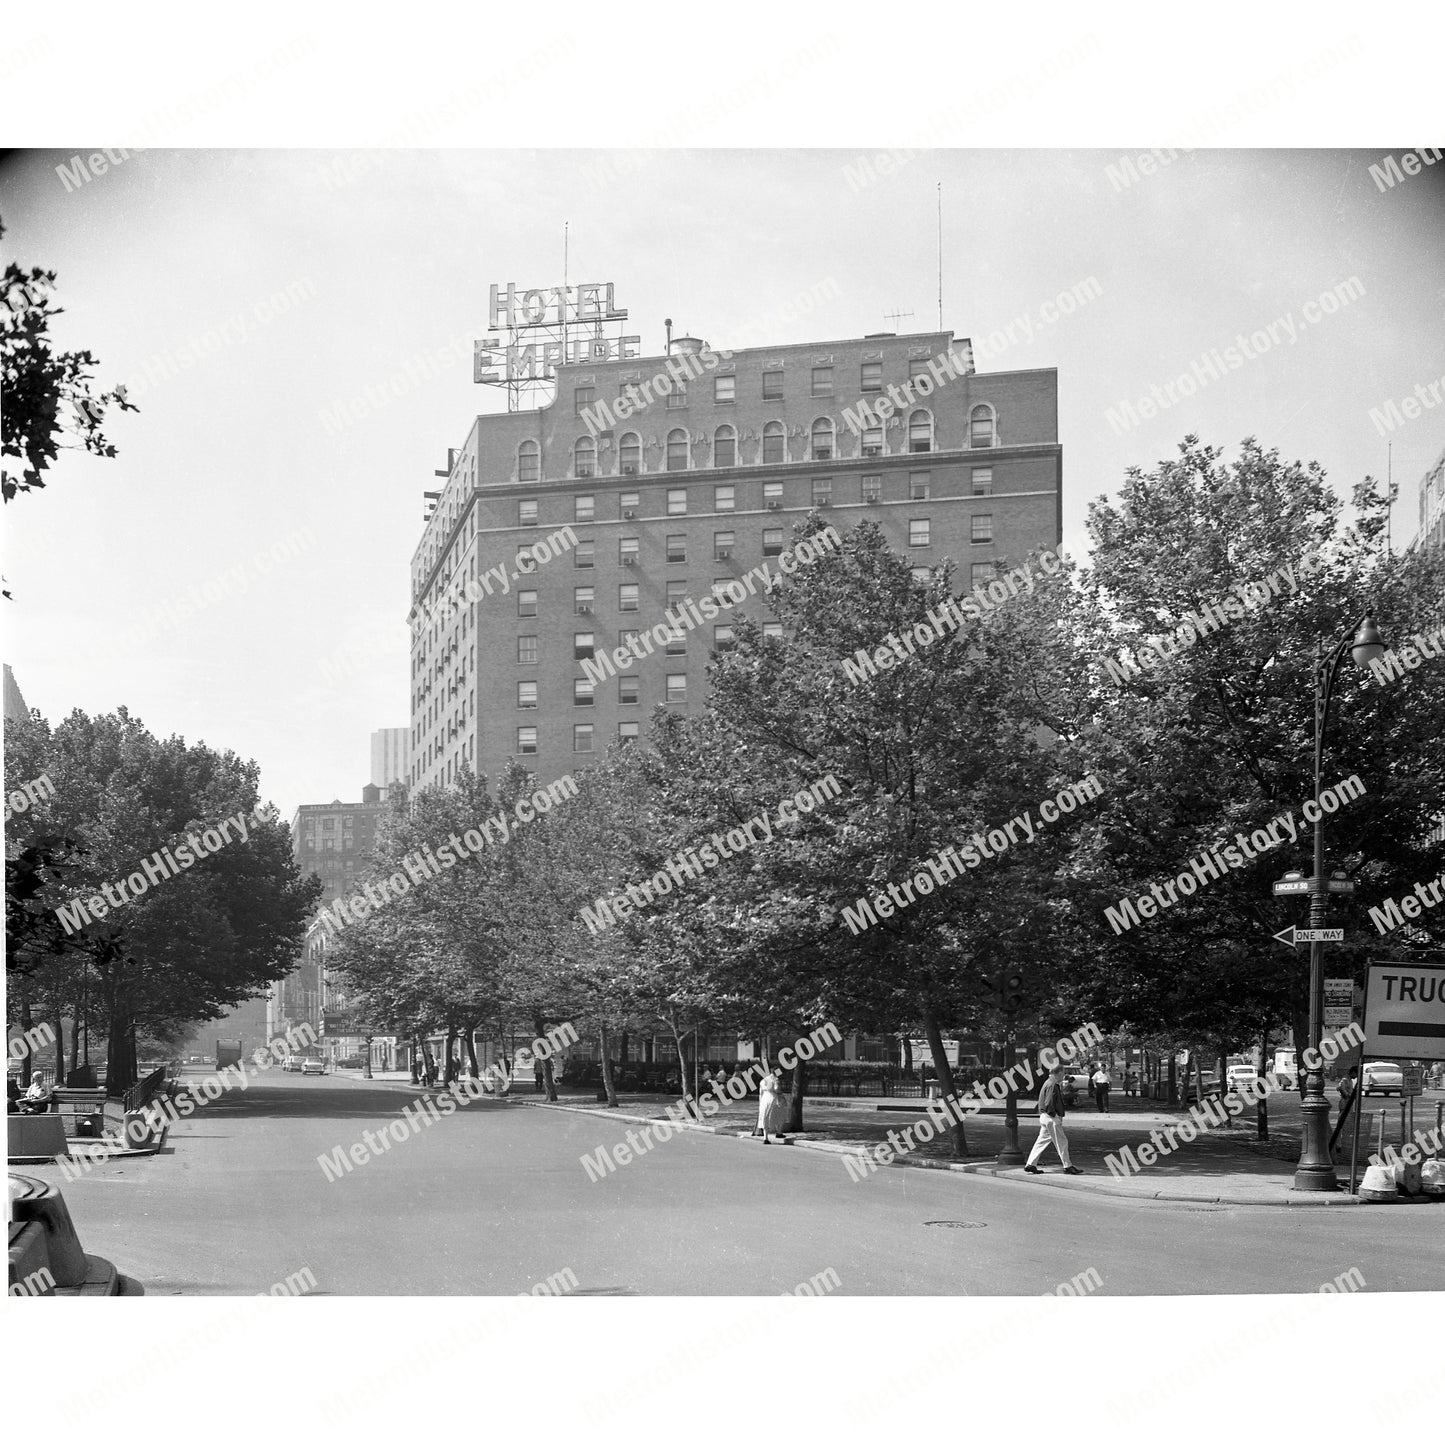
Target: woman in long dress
770,1104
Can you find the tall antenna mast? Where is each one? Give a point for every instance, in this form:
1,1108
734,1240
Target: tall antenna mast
940,255
565,226
1389,498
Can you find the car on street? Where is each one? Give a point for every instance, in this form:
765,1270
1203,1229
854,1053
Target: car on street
313,1066
1209,1079
1240,1076
1383,1078
291,1064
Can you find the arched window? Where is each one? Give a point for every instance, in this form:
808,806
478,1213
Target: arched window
774,442
981,427
677,450
920,432
725,447
584,458
629,454
528,462
823,440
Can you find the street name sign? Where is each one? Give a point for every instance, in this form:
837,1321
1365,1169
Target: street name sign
1405,1010
1292,885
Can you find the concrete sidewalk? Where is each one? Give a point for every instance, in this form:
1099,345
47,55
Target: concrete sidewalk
1216,1169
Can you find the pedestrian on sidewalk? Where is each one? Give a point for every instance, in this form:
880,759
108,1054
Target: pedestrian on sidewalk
769,1090
1347,1087
1131,1080
1051,1124
1100,1082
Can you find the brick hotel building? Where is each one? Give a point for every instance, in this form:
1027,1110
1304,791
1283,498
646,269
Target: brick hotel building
696,488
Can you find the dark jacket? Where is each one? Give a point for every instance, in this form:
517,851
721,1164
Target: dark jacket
1051,1098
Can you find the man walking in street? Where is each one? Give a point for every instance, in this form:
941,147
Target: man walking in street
1100,1081
1051,1124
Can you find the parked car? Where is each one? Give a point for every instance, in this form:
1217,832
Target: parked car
1209,1079
1383,1078
291,1064
313,1066
1240,1075
352,1061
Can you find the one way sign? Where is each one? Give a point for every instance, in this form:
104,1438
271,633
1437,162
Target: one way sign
1296,936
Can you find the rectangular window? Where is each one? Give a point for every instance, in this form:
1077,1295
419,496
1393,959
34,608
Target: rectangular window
918,532
527,740
872,378
527,649
584,554
627,597
676,591
822,491
627,551
772,386
772,629
677,502
722,637
582,692
918,486
629,456
724,499
724,389
629,689
921,574
983,528
772,541
822,381
583,599
983,481
980,574
627,733
917,366
722,545
628,501
526,604
677,546
872,488
627,636
677,397
527,513
582,396
772,494
873,440
581,737
526,694
677,643
583,645
677,687
584,509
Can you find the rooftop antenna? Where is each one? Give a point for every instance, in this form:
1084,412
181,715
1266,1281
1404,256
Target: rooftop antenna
1389,498
667,322
895,317
940,255
565,228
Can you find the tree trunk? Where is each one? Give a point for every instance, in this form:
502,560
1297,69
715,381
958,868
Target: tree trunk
681,1061
59,1026
622,1048
26,1059
1261,1109
471,1041
907,1054
795,1098
609,1084
75,1041
934,1036
1173,1077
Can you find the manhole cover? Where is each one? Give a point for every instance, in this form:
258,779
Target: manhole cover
955,1223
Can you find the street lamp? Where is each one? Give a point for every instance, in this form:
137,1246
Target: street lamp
1316,1170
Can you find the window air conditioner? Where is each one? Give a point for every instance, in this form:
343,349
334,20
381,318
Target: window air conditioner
629,515
872,451
773,506
824,502
629,561
583,609
629,470
723,553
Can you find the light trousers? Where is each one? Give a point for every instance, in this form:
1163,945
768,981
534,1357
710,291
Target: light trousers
1051,1131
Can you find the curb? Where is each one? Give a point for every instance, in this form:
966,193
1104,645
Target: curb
1011,1174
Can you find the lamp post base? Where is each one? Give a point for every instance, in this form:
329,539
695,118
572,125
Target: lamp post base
1315,1173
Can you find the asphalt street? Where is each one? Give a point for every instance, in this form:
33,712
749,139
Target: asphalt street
494,1200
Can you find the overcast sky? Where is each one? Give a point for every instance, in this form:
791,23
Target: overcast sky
305,282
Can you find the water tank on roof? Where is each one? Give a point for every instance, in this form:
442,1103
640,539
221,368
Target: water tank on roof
688,345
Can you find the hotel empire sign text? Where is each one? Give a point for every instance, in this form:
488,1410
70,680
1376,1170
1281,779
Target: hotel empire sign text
553,313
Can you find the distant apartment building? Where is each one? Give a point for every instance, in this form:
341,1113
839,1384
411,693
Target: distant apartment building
334,841
15,708
648,480
390,757
1432,506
